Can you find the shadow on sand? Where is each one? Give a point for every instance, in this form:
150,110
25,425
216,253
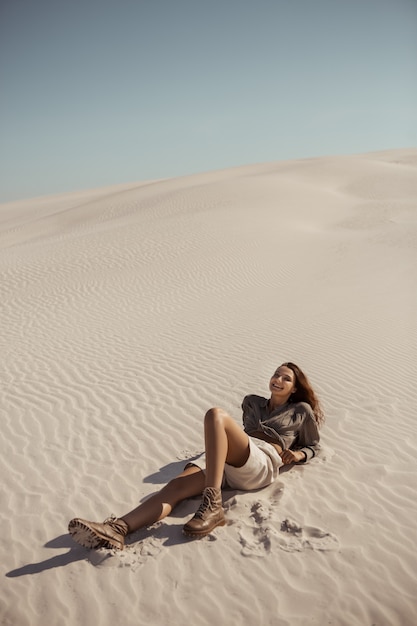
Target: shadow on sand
170,535
167,534
76,553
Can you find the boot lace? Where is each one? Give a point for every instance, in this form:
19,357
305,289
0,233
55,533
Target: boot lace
206,505
115,524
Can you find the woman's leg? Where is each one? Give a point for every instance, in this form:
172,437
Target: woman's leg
189,483
225,442
112,532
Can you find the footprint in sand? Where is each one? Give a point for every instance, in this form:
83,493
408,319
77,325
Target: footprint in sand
256,541
295,538
288,535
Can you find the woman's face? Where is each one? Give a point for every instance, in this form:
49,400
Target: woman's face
282,383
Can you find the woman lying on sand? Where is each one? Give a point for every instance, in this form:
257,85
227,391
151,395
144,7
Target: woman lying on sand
278,431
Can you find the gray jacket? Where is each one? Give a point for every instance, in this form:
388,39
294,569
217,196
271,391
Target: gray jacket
292,425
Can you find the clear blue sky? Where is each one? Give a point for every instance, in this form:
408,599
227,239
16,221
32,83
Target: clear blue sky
100,92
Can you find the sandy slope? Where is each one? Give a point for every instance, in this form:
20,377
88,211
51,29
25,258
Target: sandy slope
126,312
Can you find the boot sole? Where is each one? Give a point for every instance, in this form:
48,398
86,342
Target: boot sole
204,533
89,538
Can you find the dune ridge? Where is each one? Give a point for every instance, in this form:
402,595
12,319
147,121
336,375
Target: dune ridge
128,311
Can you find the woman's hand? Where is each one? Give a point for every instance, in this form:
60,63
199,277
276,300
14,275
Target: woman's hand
292,456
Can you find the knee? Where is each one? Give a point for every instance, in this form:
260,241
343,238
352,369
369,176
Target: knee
214,415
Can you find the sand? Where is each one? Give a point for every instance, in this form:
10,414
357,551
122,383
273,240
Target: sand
127,312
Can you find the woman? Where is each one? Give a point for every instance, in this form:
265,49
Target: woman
278,431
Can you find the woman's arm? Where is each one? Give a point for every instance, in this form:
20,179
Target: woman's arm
308,441
287,456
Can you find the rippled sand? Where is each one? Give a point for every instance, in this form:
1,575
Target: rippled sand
127,312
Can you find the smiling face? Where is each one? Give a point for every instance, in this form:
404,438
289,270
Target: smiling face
282,385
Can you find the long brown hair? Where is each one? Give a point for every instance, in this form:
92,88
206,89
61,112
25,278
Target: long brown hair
305,393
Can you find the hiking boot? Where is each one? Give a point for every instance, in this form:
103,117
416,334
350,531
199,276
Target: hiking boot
110,534
208,516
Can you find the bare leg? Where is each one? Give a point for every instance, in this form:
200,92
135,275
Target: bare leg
112,532
189,483
225,442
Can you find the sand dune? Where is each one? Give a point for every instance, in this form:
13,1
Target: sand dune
127,312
